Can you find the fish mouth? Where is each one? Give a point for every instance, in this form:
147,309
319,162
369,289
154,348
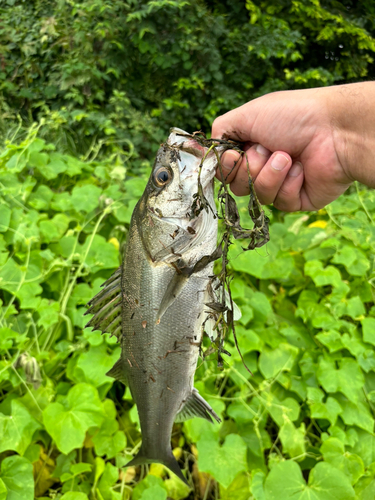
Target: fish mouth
187,146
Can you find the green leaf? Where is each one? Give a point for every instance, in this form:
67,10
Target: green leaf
10,276
238,489
109,440
40,199
74,495
176,488
38,160
61,202
8,337
257,484
355,308
293,439
3,490
348,379
364,446
368,330
149,483
101,255
109,478
68,422
17,429
350,464
331,339
74,165
354,260
124,213
358,414
329,410
278,410
325,483
17,162
272,361
85,198
54,229
17,476
264,264
5,214
28,295
93,365
222,462
53,168
322,277
48,313
154,493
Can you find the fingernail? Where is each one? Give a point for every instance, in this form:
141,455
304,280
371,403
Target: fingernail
262,150
279,162
296,169
228,160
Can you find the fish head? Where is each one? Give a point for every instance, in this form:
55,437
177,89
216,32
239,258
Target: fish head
167,227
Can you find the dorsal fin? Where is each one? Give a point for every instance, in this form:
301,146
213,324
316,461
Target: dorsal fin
106,306
196,406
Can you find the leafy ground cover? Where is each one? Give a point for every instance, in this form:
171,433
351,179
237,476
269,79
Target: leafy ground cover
300,427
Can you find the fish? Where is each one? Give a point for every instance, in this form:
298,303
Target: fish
156,301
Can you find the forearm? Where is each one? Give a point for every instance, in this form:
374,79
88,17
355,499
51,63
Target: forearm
352,108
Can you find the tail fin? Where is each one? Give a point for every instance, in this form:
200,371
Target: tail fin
169,461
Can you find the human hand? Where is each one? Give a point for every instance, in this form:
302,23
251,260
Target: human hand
291,145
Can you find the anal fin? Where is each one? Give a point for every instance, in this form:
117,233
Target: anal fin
117,372
196,406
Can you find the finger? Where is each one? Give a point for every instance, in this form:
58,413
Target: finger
257,157
230,163
235,124
271,177
288,198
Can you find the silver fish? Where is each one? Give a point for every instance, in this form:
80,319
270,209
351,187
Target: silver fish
155,302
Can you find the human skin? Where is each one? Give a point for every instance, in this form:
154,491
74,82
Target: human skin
304,147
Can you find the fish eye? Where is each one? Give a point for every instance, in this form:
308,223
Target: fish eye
162,176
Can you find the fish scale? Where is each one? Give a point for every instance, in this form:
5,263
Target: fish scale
162,305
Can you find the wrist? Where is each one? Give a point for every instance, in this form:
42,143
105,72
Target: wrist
352,111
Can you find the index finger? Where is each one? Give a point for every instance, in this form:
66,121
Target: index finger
233,125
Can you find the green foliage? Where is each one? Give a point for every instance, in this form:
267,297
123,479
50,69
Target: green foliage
125,71
306,333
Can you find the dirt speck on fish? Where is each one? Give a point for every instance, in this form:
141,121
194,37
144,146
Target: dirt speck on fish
161,340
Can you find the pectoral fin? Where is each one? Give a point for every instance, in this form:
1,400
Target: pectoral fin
196,406
173,290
